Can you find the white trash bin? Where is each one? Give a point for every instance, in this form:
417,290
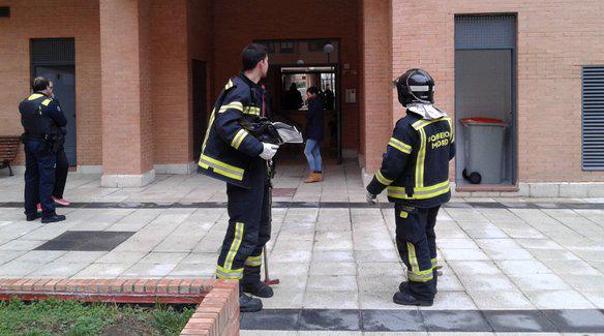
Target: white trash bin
484,150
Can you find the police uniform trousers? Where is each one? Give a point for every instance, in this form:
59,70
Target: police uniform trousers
416,244
249,227
40,164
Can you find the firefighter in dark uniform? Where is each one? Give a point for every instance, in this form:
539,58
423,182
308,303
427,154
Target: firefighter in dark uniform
42,119
232,154
415,170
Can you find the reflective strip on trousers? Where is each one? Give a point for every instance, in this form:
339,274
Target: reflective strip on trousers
254,261
415,274
237,239
223,273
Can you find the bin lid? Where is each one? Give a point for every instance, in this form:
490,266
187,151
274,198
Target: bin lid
483,121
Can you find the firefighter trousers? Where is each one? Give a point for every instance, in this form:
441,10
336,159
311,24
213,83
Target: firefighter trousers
249,227
416,244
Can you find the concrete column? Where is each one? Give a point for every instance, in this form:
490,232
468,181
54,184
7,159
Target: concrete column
126,93
376,80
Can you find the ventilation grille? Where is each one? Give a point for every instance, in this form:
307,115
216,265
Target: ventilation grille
593,118
485,31
53,51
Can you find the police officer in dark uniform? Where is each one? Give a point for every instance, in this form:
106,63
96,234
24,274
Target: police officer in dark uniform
42,119
415,170
231,153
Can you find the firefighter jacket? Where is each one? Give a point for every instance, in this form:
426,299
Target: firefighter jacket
415,169
42,118
229,149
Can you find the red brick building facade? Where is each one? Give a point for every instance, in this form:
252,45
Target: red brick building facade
134,62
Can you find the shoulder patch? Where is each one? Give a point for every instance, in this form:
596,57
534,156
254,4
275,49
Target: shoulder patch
35,96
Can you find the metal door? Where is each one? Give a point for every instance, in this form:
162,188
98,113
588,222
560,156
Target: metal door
63,79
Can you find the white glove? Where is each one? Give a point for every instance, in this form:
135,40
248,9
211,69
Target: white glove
371,198
269,151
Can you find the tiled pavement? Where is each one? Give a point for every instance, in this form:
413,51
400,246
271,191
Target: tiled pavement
505,260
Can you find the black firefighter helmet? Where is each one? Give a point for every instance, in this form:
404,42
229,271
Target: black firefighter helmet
415,86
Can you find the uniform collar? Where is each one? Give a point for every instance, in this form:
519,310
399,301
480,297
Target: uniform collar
248,81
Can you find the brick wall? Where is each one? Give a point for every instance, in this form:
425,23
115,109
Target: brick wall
554,39
376,77
31,19
170,81
125,68
237,23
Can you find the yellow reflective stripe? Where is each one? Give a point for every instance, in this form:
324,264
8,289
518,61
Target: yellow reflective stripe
207,135
412,257
233,105
404,214
253,261
229,85
238,139
415,274
221,167
434,262
382,179
45,102
228,263
397,192
401,146
452,129
35,96
420,193
423,123
421,158
423,276
253,110
223,273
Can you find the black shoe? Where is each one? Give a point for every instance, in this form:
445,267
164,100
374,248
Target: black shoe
406,299
53,218
248,304
33,217
259,289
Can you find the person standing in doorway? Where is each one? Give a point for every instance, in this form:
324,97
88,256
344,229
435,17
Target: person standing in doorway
62,168
231,153
314,135
42,119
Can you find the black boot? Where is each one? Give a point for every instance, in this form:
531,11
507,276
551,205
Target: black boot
258,288
407,299
33,216
53,218
248,304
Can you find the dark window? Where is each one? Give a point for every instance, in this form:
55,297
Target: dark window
4,11
593,117
316,45
287,47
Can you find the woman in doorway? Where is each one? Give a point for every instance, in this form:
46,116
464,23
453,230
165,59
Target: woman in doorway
314,134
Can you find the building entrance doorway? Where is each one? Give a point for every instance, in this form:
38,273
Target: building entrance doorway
297,65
